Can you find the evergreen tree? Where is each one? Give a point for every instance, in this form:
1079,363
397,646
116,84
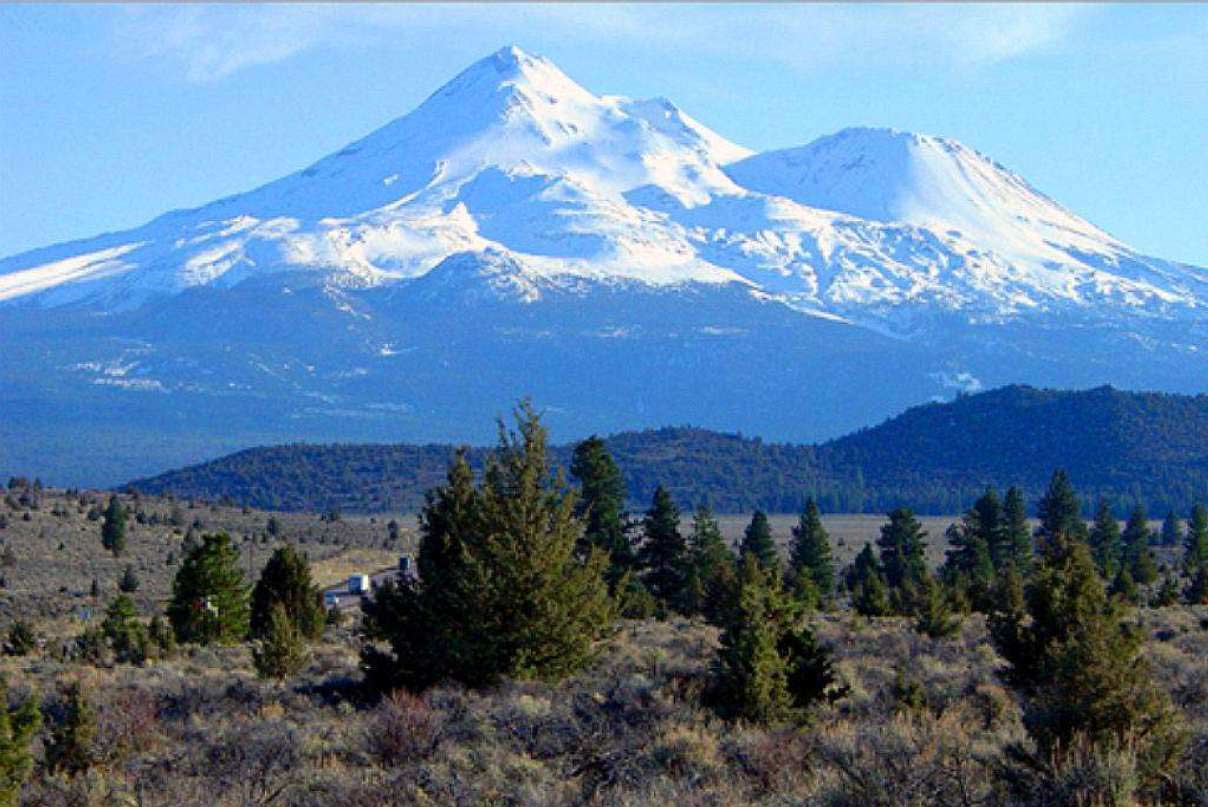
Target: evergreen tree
602,504
865,581
1196,592
209,595
69,748
502,590
113,528
1016,535
663,553
769,666
810,557
934,617
281,649
127,636
1137,555
757,541
969,563
1124,587
18,726
129,582
1195,542
1172,532
903,561
711,569
1079,666
1106,547
286,581
1060,511
1168,593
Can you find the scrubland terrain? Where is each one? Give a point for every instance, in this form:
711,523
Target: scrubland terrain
925,721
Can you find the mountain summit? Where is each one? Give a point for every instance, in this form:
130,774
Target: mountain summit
584,230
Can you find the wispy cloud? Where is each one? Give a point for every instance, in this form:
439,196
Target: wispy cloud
208,43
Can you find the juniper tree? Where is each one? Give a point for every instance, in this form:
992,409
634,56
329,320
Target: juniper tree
113,528
934,616
811,567
757,542
1079,666
502,590
18,726
286,581
769,667
69,749
129,582
601,505
22,640
209,596
126,634
663,552
1104,538
281,649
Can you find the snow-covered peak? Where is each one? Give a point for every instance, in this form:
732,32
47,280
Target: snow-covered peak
933,182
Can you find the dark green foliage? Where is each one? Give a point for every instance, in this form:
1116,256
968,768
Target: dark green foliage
758,543
209,595
1195,543
1196,592
663,554
18,726
126,634
129,582
1172,531
1078,664
769,667
711,571
113,528
1060,511
602,505
903,561
162,636
281,649
1167,593
286,581
502,590
969,566
866,582
1104,538
934,616
939,457
21,639
1137,555
810,561
69,748
1124,587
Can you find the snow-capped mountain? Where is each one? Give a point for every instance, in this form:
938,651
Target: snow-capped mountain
517,233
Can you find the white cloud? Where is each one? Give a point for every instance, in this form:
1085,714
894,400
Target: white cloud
208,43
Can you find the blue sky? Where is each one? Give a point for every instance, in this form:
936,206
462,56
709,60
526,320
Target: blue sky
110,115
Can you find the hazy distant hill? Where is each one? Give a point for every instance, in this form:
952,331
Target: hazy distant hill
936,458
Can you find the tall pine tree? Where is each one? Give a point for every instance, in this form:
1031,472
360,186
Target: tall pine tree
757,542
209,595
1138,556
1106,548
1060,511
711,568
286,581
113,528
601,505
1195,542
1016,537
663,552
810,561
903,544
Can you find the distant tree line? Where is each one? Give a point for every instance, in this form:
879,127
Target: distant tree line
1129,449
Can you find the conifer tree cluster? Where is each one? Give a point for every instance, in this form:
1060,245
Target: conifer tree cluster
209,596
769,667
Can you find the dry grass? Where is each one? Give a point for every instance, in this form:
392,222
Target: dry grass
336,569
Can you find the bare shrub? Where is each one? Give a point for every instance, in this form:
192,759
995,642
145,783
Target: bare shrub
403,728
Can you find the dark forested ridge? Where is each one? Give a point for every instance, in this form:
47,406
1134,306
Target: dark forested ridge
1132,447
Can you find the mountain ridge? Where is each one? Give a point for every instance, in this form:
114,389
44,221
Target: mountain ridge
1150,448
